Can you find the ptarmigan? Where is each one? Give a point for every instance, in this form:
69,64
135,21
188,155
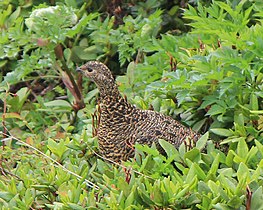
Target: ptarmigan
122,124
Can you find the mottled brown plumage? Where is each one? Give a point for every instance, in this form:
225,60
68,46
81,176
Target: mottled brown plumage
122,124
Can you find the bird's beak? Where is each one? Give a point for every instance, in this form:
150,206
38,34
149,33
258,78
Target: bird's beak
79,69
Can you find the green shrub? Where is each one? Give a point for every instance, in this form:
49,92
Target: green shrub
210,79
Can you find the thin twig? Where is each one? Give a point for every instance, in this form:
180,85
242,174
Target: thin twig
3,117
249,198
89,183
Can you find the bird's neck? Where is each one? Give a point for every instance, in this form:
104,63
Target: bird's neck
109,92
111,100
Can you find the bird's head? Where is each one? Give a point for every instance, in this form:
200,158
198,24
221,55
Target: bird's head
99,73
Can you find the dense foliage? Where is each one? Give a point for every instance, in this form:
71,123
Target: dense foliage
209,78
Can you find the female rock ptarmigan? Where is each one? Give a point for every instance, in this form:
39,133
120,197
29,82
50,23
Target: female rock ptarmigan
122,124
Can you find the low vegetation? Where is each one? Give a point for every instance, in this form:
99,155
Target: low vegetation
204,69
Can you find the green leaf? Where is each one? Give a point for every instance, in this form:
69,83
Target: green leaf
239,119
242,148
130,199
214,166
14,15
58,149
85,53
3,63
221,206
213,187
130,73
260,147
194,155
257,198
252,154
67,54
6,196
147,149
235,202
75,206
242,172
253,102
222,132
232,139
198,125
83,22
145,197
181,193
200,144
158,196
169,149
55,103
215,110
181,96
229,158
199,172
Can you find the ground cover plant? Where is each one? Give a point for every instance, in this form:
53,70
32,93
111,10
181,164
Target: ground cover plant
206,72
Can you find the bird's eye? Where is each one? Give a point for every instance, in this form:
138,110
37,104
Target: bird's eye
89,69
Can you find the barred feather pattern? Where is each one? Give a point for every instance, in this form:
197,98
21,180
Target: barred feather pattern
122,124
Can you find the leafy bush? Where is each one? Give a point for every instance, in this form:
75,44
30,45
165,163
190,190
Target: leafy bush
222,77
210,79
